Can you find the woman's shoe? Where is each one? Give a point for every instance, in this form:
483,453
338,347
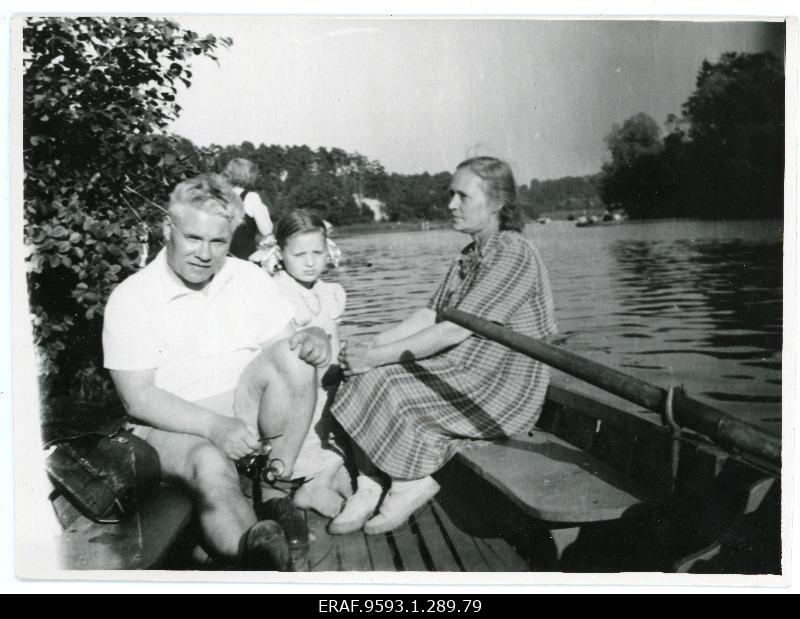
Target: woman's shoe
358,508
402,500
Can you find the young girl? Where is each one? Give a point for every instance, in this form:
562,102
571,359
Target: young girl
303,254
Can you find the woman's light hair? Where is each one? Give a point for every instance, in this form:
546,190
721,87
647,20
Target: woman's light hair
241,172
210,193
498,179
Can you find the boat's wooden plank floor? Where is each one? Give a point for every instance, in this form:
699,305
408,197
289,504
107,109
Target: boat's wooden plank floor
431,541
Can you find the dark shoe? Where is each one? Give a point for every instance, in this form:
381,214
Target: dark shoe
264,547
283,511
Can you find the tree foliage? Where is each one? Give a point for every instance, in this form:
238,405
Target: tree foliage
735,120
98,94
723,157
571,193
327,181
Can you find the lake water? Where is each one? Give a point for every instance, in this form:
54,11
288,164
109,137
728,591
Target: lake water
690,303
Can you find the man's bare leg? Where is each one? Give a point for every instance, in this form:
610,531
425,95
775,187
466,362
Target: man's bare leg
225,514
283,390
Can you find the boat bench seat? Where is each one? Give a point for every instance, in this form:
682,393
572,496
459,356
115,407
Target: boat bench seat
141,540
552,480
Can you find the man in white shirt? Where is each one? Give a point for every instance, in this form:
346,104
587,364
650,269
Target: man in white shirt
178,335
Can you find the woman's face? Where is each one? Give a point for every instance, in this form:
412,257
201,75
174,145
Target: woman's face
472,210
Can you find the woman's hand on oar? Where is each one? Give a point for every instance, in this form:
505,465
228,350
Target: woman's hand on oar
357,357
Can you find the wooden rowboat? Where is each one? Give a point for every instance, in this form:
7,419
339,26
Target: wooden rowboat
594,488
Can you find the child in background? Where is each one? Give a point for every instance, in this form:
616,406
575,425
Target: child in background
303,255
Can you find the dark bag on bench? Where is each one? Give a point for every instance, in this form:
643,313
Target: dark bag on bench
103,473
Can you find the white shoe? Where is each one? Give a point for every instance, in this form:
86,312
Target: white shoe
403,499
358,509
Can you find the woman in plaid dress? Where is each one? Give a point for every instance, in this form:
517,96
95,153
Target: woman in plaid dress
424,389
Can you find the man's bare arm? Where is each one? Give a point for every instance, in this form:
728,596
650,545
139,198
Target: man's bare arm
166,411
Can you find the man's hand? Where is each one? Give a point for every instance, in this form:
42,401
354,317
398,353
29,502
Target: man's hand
312,345
234,437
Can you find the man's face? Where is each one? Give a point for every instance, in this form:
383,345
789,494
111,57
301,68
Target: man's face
197,243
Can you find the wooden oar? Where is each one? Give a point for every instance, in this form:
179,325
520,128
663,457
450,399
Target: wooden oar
687,412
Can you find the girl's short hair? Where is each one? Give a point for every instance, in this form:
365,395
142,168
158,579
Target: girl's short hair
241,171
500,186
298,221
210,193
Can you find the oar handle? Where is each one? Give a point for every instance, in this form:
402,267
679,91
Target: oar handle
688,412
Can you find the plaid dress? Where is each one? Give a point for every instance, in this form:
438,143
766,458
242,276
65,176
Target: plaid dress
411,417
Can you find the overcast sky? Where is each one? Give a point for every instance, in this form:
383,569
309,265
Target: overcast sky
421,95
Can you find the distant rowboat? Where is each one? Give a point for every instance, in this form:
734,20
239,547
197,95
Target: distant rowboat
608,219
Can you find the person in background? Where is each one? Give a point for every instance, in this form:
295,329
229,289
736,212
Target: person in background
422,390
334,253
255,231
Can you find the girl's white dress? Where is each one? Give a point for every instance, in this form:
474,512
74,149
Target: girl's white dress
319,306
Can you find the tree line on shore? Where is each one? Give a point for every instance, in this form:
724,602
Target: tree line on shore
723,157
99,94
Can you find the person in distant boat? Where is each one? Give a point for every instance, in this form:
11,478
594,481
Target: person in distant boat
255,231
426,388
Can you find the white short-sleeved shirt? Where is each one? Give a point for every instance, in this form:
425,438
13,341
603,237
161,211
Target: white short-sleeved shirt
199,342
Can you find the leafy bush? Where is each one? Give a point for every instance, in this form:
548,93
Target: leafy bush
98,94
